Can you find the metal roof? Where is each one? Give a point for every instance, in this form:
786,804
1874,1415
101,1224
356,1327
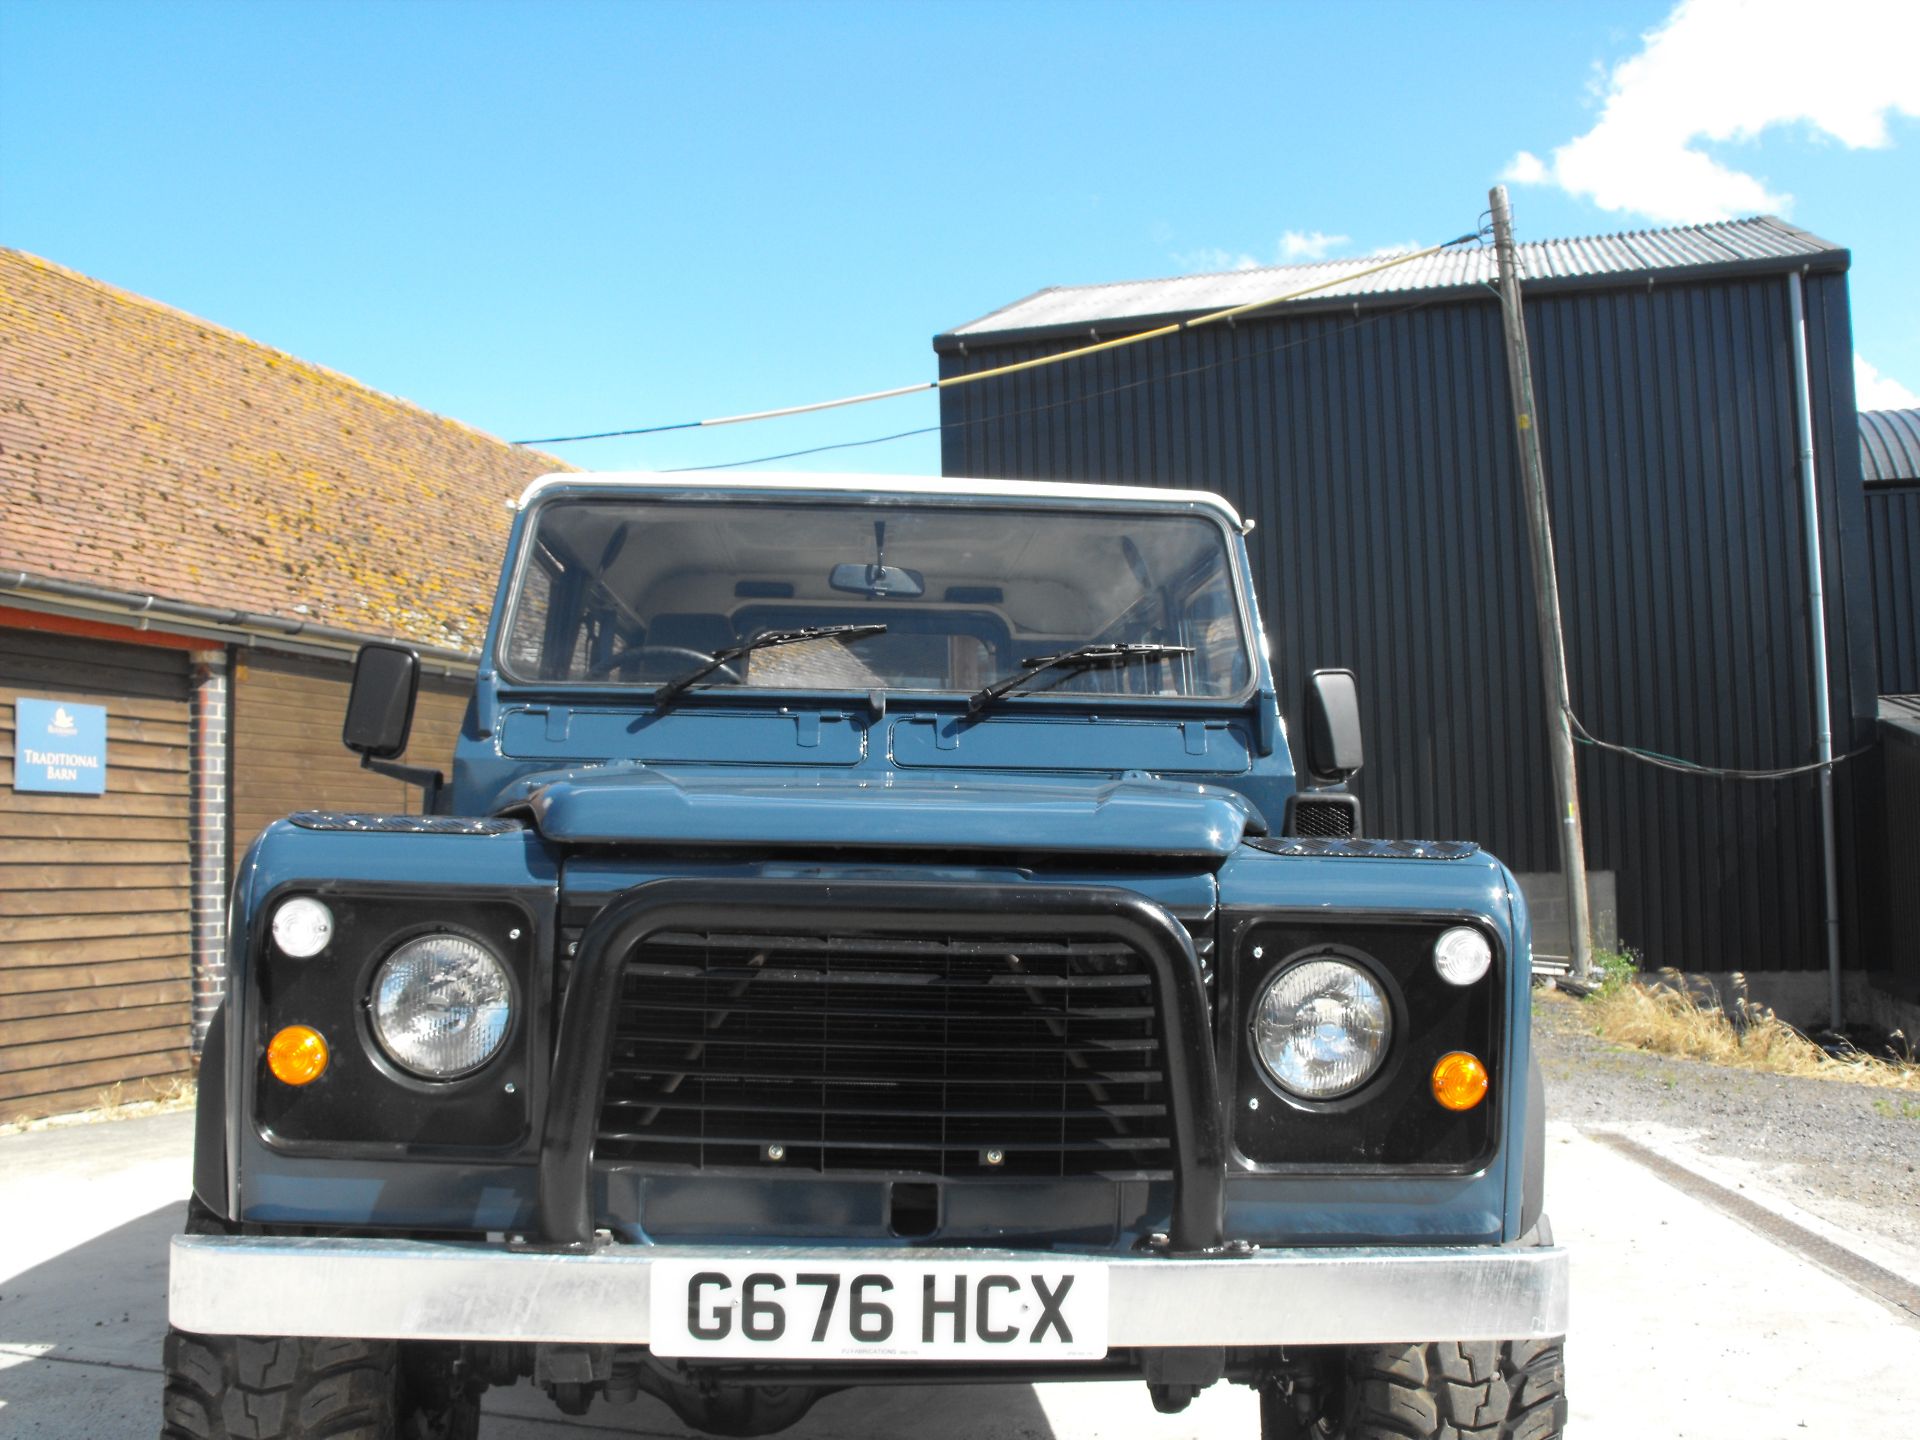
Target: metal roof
1763,242
1889,445
873,485
1901,710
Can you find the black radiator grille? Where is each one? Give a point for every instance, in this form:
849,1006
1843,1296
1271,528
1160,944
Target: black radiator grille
941,1056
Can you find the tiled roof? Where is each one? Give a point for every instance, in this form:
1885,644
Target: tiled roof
1763,241
145,450
1890,445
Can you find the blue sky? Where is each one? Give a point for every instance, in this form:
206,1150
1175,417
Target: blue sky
546,218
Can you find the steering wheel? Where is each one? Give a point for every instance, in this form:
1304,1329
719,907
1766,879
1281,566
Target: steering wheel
637,654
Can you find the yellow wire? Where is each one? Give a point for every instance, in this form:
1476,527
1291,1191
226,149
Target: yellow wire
1229,313
1016,366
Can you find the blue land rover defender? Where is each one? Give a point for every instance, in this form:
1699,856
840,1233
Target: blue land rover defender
875,931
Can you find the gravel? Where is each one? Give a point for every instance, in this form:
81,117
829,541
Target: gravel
1847,1153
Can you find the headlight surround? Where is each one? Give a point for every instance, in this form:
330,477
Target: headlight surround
441,1005
1322,1028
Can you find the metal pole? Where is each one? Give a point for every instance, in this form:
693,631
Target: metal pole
1817,628
1546,592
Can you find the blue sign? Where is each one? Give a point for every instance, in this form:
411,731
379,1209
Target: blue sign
58,745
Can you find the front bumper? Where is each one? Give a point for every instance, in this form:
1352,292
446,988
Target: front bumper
428,1290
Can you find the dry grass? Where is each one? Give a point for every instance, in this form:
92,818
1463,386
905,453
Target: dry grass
117,1102
1683,1015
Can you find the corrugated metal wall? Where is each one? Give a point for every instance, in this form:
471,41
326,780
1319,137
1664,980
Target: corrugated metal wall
1375,449
1900,755
1893,538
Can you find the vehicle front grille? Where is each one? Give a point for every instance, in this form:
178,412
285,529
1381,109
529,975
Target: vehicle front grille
927,1054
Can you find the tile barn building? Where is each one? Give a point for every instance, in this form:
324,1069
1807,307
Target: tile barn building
197,532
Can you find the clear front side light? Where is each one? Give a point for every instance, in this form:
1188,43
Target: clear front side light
302,927
441,1004
1322,1028
1462,955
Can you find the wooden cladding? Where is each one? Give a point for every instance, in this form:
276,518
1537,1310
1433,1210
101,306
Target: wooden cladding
287,753
95,988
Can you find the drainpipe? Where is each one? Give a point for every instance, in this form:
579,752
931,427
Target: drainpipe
1817,625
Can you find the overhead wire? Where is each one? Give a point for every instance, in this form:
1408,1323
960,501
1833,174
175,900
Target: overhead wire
969,377
1692,767
1375,318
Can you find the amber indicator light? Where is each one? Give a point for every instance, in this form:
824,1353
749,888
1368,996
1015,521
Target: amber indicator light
1459,1080
297,1055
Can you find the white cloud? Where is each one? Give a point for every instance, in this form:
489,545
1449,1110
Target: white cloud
1874,391
1213,261
1723,72
1527,168
1310,244
1294,247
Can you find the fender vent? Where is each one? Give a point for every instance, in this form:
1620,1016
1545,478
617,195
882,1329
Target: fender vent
1332,817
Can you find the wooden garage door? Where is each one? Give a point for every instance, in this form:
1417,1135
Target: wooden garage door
287,753
94,935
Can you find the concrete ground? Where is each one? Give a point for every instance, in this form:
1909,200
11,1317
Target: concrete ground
1686,1323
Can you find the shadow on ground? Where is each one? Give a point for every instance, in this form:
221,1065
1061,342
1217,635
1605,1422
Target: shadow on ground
80,1334
942,1412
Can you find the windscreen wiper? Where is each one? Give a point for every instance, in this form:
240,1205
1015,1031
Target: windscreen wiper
1084,658
671,691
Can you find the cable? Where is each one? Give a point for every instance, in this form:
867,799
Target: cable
1014,367
794,454
1689,767
1375,318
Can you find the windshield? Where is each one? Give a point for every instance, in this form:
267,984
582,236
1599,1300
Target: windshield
640,592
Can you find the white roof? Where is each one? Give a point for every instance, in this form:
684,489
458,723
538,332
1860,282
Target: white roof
707,480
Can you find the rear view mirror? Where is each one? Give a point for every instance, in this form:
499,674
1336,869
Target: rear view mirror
891,582
386,682
1334,751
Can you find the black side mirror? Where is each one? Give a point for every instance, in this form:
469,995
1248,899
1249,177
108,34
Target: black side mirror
1334,751
386,682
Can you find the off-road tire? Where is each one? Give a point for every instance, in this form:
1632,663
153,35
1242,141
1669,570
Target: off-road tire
239,1387
1516,1390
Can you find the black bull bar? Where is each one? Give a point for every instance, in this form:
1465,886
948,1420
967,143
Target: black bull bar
582,1050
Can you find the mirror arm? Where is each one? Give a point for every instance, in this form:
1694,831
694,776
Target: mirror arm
428,779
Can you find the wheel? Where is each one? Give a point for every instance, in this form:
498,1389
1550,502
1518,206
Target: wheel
1516,1390
240,1387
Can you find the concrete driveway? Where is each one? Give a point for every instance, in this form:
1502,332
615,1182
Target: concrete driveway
1686,1322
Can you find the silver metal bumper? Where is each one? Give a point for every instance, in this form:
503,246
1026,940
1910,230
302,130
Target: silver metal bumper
424,1290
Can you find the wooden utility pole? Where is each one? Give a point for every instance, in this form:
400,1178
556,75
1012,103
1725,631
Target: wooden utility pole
1546,591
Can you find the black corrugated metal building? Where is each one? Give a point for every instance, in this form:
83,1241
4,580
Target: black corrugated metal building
1890,468
1368,429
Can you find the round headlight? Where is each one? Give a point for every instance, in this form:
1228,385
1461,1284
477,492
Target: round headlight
302,927
441,1005
1462,955
1322,1028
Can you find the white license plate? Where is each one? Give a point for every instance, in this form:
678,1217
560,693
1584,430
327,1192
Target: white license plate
889,1310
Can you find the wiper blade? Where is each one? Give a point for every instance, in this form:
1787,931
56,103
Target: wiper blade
670,691
1084,658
